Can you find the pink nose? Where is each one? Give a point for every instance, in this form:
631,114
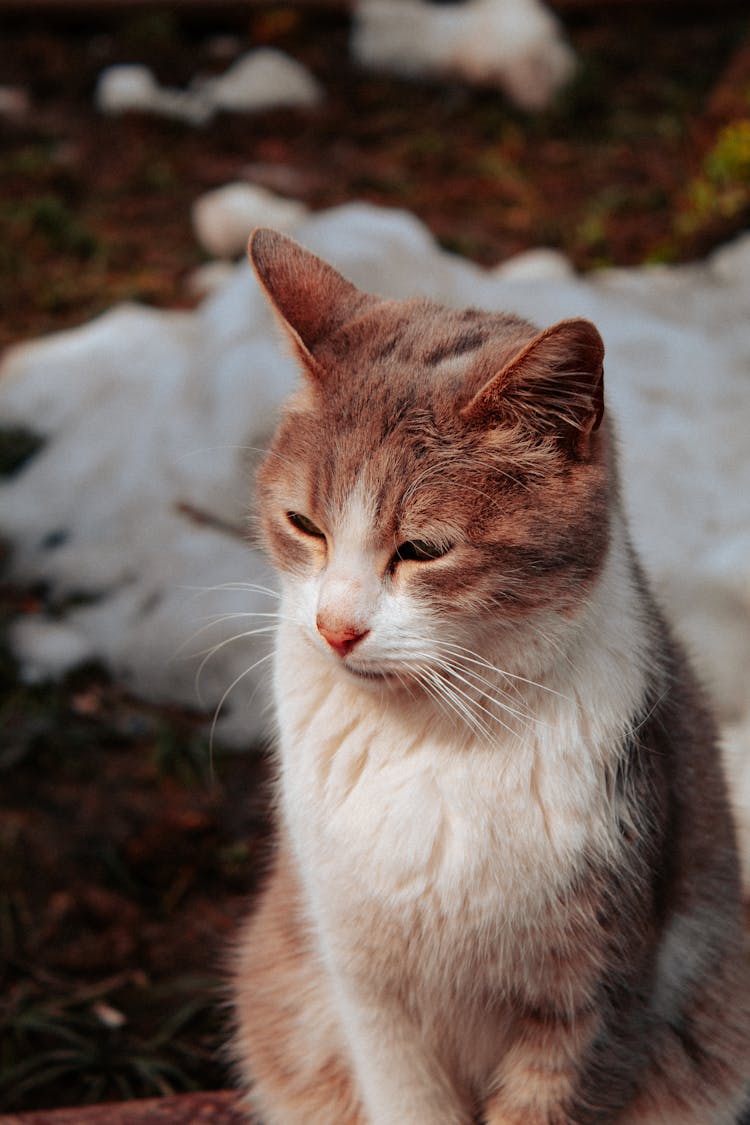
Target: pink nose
342,639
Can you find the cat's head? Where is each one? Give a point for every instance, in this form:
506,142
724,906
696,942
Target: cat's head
440,475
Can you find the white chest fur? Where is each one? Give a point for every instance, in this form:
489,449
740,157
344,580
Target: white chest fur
386,802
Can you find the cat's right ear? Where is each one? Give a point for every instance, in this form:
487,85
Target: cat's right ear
555,385
310,298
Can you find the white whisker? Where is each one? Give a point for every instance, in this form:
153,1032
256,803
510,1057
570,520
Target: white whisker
454,700
473,658
499,692
524,716
215,622
220,618
263,630
236,586
228,691
474,702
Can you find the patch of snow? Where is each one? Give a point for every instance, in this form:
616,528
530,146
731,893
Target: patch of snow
516,45
261,79
731,264
207,279
130,87
141,494
46,650
126,87
542,264
223,218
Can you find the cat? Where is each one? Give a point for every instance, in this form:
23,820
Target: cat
504,887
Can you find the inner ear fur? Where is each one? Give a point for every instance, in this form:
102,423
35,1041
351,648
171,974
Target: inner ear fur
555,384
310,298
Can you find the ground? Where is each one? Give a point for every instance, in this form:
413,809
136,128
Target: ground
127,856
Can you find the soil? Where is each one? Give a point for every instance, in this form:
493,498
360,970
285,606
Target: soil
127,855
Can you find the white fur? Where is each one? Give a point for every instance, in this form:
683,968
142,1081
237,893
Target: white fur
389,805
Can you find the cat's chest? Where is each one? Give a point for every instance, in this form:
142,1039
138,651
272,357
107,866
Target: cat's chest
382,805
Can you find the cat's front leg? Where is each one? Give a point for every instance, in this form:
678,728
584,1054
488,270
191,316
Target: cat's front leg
536,1079
402,1081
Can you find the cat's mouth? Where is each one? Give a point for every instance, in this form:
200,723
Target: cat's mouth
375,675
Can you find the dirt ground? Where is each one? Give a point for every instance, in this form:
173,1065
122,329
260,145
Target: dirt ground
126,857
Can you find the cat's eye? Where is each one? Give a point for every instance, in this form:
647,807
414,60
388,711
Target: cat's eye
419,550
305,525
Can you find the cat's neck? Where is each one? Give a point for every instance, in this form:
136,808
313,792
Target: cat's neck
598,664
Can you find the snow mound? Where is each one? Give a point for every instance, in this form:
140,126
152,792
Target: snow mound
516,45
223,217
259,80
133,511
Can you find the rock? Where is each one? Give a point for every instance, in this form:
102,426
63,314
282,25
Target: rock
224,218
516,45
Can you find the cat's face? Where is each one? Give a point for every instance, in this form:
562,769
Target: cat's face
436,482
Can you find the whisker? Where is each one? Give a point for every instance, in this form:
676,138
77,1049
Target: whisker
476,704
213,623
473,658
220,618
237,586
475,687
455,701
550,641
498,692
223,699
237,447
432,689
211,652
435,691
524,716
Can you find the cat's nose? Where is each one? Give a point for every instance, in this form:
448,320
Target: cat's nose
342,639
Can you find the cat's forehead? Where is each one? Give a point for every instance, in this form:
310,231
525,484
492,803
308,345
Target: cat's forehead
424,337
404,362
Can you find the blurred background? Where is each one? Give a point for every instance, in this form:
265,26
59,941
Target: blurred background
127,850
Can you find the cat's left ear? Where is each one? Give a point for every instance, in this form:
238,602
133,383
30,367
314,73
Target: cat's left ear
310,298
555,384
